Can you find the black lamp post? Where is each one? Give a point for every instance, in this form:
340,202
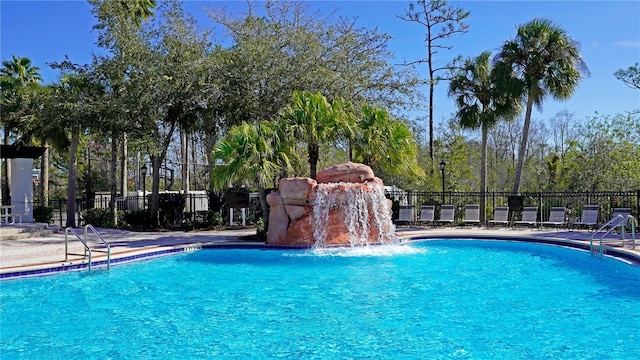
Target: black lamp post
443,166
143,171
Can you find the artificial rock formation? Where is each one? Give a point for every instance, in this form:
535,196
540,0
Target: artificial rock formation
330,209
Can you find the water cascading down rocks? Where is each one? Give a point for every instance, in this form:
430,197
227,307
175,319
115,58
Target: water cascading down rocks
344,206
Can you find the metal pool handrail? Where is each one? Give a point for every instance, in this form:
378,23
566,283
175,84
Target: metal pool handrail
66,245
87,248
618,221
108,251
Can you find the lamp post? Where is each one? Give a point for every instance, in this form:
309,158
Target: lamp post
143,171
443,166
89,204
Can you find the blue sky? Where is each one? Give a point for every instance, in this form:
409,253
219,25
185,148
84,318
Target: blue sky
608,31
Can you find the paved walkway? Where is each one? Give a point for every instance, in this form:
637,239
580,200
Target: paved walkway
25,255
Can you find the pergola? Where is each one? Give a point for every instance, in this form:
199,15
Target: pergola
21,190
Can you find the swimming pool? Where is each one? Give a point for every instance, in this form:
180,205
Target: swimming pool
433,299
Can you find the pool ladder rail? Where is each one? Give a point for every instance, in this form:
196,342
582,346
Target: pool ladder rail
619,221
88,251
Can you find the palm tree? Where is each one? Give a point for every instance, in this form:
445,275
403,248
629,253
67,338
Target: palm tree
21,69
16,76
547,62
251,152
311,119
138,10
381,141
481,103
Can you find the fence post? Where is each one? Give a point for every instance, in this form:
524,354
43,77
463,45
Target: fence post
541,206
60,212
493,200
638,202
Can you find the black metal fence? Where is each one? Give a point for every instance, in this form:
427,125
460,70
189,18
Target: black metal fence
573,201
194,202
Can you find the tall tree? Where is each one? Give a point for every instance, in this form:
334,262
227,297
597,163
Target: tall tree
287,48
605,154
176,68
157,75
481,103
630,76
77,99
547,61
441,21
118,25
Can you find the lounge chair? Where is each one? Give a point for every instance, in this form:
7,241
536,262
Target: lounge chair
472,214
619,218
556,217
427,214
500,216
529,216
405,215
589,216
447,214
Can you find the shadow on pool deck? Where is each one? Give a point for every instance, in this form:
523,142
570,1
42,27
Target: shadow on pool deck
49,252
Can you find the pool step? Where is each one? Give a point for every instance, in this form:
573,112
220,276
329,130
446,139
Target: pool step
24,231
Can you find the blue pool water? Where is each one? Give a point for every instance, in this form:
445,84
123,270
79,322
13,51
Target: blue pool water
428,300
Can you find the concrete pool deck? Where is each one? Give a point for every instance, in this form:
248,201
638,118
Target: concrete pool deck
46,254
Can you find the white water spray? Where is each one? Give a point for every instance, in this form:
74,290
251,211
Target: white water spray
365,208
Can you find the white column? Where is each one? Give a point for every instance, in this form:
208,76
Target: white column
22,188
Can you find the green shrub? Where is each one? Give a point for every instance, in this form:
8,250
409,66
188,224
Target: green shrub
43,214
97,217
261,231
202,219
215,218
136,217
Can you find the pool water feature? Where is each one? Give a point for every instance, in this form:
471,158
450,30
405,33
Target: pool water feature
433,299
365,215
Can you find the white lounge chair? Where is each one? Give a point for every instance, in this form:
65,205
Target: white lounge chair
427,214
618,218
472,214
405,214
589,216
556,217
500,216
447,214
529,216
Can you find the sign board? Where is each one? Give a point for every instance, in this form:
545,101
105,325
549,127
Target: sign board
516,203
237,198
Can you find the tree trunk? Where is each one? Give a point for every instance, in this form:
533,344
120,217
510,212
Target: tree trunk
71,185
185,169
124,167
44,176
114,179
262,194
156,162
483,175
6,188
313,160
523,145
431,88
